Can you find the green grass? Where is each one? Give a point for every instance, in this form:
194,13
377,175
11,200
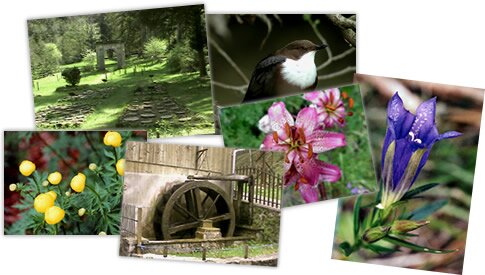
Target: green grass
233,251
185,88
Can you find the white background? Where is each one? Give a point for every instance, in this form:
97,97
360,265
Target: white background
438,41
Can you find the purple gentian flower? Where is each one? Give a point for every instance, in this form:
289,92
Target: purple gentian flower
407,145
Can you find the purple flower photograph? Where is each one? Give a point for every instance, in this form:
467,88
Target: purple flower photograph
426,136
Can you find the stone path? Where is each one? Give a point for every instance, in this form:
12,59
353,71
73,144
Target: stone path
70,111
151,106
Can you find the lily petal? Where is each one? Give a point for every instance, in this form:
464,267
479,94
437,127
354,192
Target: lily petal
307,119
323,141
308,193
279,116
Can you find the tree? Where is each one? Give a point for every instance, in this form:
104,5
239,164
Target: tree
45,59
155,49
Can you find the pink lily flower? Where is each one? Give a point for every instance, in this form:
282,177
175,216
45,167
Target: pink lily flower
302,140
329,106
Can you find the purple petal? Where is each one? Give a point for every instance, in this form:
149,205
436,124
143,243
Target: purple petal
403,152
399,118
307,119
308,193
322,141
279,116
424,122
450,134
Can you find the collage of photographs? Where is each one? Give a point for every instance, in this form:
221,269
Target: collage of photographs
298,123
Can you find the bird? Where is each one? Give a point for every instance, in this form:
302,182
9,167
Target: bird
289,70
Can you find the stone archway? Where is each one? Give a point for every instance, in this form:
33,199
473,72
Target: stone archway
118,48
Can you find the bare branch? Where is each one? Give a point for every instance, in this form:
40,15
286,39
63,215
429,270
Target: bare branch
337,73
320,36
241,88
268,23
335,58
229,60
346,25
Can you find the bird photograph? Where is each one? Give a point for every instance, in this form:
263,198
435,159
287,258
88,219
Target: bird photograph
263,56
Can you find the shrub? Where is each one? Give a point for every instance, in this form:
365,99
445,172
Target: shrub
155,49
89,60
72,75
181,59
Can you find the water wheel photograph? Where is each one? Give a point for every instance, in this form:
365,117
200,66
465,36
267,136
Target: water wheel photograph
203,204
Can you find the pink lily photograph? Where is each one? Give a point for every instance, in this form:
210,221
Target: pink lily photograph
424,138
323,134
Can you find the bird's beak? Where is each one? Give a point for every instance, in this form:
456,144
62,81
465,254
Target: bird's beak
321,47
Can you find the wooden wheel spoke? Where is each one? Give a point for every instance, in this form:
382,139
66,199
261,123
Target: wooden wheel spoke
219,218
212,206
197,203
182,210
185,226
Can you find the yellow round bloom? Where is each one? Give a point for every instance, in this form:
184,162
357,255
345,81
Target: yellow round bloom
120,167
54,215
68,193
43,202
52,194
92,166
81,212
112,139
102,233
54,178
78,182
45,183
12,187
26,168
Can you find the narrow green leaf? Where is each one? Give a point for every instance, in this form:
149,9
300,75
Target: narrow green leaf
345,248
356,217
426,210
412,193
416,247
378,249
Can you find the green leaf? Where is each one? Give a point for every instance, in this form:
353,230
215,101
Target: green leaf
426,210
416,247
345,248
109,154
412,193
356,217
378,249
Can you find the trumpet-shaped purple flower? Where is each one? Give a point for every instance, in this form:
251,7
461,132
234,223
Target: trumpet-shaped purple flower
408,142
301,140
329,106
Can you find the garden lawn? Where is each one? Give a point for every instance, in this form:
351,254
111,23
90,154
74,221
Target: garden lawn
185,88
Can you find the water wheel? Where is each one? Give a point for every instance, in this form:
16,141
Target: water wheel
182,209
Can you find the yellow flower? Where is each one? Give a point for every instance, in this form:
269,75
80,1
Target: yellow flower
92,166
120,167
52,194
43,202
102,233
54,178
78,182
45,183
54,215
12,187
68,193
26,168
112,139
81,212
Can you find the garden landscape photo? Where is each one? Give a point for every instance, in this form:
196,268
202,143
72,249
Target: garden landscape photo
142,69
